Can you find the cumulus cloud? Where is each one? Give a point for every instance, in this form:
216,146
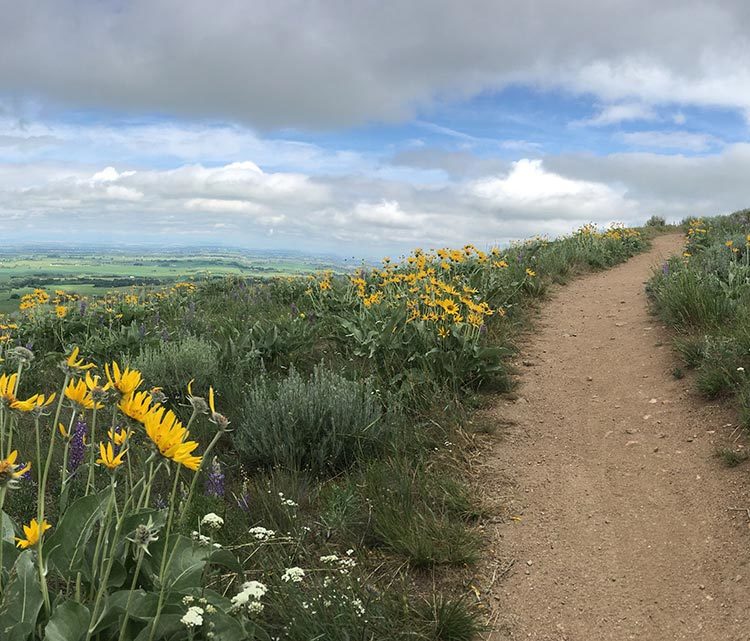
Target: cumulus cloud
240,204
532,190
276,64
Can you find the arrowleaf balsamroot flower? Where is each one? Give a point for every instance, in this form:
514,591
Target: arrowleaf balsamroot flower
170,437
137,406
33,532
8,388
119,436
108,458
77,392
9,471
73,363
37,402
125,381
97,390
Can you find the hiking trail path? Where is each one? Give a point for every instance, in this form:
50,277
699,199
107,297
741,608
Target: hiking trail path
615,522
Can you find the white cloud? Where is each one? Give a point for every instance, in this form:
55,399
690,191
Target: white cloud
363,64
615,114
682,140
531,189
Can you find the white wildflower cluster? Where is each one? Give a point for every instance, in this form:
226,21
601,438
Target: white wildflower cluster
286,501
294,575
249,597
344,564
193,618
261,533
213,521
203,540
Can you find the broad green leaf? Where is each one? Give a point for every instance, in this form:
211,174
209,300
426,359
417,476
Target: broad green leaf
228,628
142,607
10,554
168,625
226,559
69,622
8,528
22,599
65,546
187,562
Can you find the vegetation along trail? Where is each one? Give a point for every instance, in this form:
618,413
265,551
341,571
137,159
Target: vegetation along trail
617,523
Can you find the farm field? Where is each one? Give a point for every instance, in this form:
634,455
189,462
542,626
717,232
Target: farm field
95,273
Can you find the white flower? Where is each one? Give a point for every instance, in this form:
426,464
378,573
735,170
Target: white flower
295,575
329,558
740,369
358,607
193,617
249,597
200,539
214,521
254,607
261,533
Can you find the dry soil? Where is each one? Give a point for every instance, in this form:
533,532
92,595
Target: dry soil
615,522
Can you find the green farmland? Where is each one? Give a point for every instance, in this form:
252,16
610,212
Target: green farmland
90,273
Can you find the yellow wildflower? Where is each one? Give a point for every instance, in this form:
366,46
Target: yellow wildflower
170,437
137,405
118,437
33,532
530,273
77,392
108,458
74,364
8,388
9,471
36,402
125,381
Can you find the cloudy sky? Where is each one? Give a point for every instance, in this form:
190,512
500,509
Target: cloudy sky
366,127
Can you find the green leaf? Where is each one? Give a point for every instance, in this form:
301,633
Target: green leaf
69,622
22,599
65,546
168,624
10,554
226,559
8,528
142,608
187,562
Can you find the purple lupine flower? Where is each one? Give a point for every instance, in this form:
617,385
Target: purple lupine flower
215,480
295,310
160,502
665,269
82,307
142,331
165,335
77,446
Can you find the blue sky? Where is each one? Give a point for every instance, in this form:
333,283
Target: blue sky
368,131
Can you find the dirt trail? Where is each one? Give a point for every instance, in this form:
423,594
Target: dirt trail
617,514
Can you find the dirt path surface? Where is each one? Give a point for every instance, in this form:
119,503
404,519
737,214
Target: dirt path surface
615,509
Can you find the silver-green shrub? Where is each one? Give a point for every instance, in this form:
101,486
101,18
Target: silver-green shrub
321,423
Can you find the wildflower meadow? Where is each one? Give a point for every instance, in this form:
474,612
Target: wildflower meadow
221,460
704,294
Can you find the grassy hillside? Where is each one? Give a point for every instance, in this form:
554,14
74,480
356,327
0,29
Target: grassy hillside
281,460
705,296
